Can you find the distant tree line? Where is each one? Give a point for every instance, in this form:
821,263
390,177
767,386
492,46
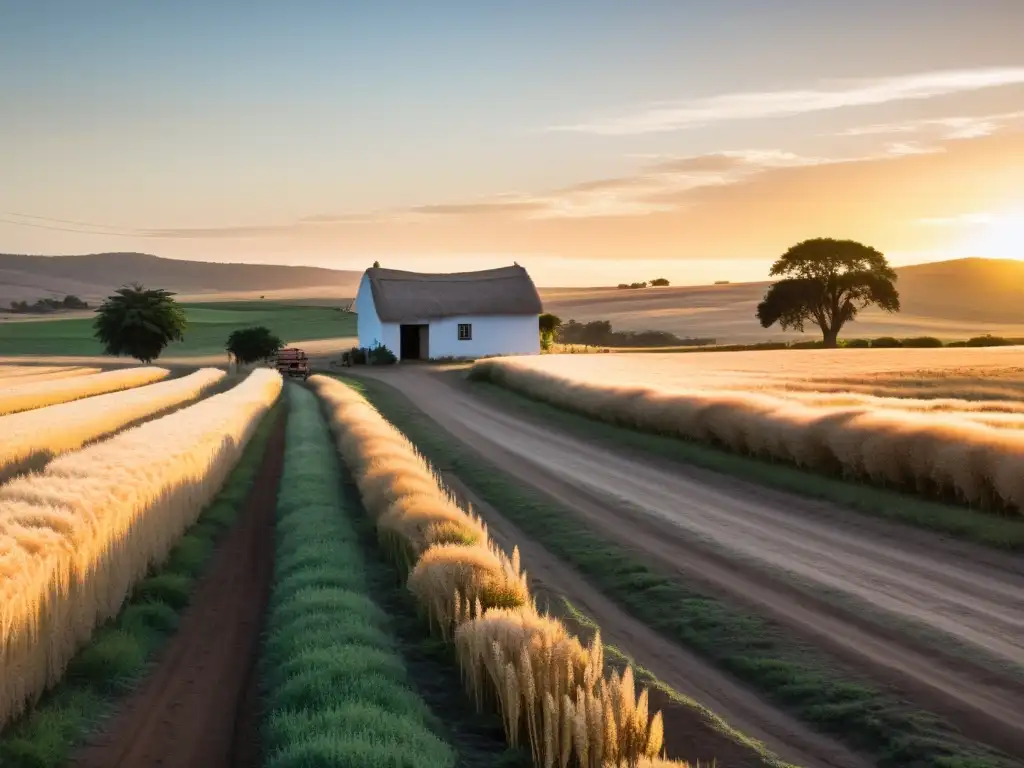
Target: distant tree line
658,282
599,333
44,306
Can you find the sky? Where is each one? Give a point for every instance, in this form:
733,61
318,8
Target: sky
594,142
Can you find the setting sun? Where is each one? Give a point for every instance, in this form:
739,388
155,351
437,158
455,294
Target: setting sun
998,235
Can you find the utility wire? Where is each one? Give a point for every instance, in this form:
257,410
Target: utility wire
5,218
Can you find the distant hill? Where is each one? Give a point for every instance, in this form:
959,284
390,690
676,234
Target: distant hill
93,276
974,290
949,299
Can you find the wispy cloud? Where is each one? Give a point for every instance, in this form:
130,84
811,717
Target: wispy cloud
746,106
482,207
948,128
663,183
901,148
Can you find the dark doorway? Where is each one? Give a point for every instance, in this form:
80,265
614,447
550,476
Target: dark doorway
413,341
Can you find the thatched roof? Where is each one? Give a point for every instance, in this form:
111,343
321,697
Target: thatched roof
402,297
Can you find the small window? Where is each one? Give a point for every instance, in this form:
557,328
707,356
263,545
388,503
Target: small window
465,331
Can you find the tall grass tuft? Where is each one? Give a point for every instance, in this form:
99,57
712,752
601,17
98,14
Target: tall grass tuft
56,429
336,686
549,688
27,395
944,455
77,536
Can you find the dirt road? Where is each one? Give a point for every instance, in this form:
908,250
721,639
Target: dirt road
688,734
932,617
198,705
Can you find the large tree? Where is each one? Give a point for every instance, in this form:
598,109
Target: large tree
248,345
139,322
827,282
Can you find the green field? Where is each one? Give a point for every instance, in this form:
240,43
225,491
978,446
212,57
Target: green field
209,326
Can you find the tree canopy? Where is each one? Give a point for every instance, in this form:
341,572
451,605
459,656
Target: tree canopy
827,282
247,345
139,322
549,323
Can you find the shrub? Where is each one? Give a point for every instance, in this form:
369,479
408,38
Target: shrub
380,355
988,340
886,342
856,343
922,342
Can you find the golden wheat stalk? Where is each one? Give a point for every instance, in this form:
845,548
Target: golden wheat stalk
75,537
948,454
529,665
56,429
28,395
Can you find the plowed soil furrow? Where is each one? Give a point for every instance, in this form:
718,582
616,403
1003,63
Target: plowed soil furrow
787,558
195,707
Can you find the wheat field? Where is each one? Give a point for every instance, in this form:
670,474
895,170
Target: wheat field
16,374
75,537
55,429
26,395
946,423
548,686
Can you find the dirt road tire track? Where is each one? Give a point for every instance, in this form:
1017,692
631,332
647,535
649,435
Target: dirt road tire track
983,706
198,705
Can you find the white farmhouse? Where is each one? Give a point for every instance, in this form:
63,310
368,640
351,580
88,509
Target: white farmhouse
458,315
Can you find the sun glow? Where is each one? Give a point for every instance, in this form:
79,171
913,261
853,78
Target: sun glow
996,236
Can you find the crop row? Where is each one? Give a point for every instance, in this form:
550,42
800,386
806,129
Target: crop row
926,453
18,374
336,687
77,536
35,394
549,688
56,429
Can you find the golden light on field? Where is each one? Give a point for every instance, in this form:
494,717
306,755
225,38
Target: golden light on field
943,422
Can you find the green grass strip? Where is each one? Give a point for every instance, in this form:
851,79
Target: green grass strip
988,529
337,689
117,656
799,677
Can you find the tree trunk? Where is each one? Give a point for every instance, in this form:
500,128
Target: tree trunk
831,338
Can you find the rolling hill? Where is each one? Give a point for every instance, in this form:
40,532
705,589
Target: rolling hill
93,276
949,299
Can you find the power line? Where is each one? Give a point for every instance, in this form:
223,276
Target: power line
61,221
4,219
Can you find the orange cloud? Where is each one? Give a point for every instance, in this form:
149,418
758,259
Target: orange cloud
879,200
741,204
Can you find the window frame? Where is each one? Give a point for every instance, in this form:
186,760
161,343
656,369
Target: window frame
469,331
